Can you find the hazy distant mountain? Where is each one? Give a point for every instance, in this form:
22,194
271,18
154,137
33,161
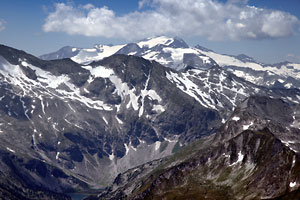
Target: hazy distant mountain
65,52
176,54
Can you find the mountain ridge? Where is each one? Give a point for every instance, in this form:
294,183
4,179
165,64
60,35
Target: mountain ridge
89,123
80,119
252,163
176,54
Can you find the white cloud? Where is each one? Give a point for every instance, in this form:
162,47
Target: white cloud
2,27
209,18
143,3
88,6
237,2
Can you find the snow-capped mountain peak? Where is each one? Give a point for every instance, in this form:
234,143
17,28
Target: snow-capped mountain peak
113,114
154,41
176,54
99,52
151,42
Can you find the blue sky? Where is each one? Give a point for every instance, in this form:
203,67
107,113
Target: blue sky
269,30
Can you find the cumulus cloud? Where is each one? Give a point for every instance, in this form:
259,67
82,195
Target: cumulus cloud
2,27
215,20
143,3
237,1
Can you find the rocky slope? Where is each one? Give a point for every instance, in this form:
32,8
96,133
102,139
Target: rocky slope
62,123
254,155
19,179
68,126
176,54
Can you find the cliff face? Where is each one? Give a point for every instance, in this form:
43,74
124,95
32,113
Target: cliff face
67,126
252,156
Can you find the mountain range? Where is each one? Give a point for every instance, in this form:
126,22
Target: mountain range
252,156
176,54
148,120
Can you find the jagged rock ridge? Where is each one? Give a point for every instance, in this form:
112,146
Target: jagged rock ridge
92,122
176,54
254,155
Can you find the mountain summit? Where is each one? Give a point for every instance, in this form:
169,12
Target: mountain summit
67,126
176,54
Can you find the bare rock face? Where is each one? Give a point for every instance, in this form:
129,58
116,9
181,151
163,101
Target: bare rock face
69,126
87,124
254,155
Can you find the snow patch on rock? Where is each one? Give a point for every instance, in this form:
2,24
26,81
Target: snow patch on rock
235,118
240,159
293,184
247,126
157,145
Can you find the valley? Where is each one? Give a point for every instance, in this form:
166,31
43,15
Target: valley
148,120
